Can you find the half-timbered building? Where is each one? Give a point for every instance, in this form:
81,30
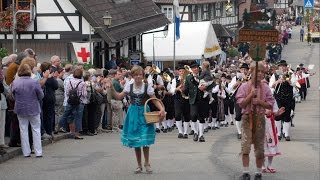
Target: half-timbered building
58,23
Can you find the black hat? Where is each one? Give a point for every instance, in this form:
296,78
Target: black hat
282,63
194,64
149,64
244,65
301,65
298,69
223,75
228,77
181,66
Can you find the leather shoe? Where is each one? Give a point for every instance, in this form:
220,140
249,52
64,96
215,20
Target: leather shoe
195,137
231,123
245,176
157,130
279,138
180,135
185,136
258,176
201,139
288,138
191,132
164,130
239,136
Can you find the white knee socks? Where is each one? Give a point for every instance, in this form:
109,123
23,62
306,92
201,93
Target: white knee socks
286,128
238,125
185,127
179,125
164,124
278,124
201,129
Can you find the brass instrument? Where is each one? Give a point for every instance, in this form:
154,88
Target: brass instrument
166,77
244,79
154,69
184,77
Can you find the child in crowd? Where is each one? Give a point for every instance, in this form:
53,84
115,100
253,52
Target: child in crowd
271,145
206,79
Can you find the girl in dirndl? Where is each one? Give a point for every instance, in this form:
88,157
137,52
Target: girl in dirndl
136,132
271,145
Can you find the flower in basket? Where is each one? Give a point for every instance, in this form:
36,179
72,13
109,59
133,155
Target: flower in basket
6,19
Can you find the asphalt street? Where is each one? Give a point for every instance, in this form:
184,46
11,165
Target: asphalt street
103,157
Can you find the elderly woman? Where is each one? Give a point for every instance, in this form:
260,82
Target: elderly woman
27,93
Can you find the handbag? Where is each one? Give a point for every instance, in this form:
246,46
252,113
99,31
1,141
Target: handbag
95,97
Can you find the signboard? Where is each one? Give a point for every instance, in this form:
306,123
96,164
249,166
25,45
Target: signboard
135,58
308,4
261,36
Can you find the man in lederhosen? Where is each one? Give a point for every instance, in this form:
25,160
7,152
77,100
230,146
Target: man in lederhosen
156,80
199,106
181,104
282,84
233,86
167,100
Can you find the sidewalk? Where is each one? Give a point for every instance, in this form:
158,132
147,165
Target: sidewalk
16,151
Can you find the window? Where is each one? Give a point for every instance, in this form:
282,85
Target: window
212,11
4,4
281,4
168,11
23,3
194,13
205,14
218,7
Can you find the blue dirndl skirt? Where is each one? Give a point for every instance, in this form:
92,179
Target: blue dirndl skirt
136,133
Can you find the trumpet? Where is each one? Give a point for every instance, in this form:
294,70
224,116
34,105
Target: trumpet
184,77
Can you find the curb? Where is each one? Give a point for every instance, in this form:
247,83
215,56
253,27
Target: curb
16,151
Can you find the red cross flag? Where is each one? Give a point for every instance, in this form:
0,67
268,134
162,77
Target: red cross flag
82,51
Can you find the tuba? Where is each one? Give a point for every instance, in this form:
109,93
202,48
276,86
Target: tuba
167,78
154,69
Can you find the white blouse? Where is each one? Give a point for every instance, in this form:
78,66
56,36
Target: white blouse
138,90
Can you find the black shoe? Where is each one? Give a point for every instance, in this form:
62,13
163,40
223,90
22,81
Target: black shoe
217,127
195,137
39,156
226,125
245,176
169,129
288,138
213,128
185,136
279,138
209,127
2,151
165,130
206,130
239,136
201,139
191,132
89,134
180,136
231,123
157,130
292,125
258,176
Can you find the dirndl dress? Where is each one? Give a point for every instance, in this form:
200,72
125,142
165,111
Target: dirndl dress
136,132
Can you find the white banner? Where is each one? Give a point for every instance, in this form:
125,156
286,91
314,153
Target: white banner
82,51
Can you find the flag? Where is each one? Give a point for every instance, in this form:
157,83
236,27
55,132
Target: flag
82,51
177,18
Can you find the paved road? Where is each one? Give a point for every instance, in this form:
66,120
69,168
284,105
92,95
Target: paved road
103,157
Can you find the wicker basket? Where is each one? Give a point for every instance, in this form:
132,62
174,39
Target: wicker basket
154,116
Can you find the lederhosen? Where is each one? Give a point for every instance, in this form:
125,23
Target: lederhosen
214,105
228,103
181,105
168,103
284,97
200,109
236,105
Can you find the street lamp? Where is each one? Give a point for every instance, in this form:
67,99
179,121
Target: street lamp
165,34
107,22
107,19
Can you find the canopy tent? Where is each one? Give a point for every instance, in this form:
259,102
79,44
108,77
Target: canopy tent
197,40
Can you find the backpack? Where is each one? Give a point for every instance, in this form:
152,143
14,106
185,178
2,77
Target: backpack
74,98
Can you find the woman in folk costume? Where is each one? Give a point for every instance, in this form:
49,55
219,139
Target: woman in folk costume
271,142
136,132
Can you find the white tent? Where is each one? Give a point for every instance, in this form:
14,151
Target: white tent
197,40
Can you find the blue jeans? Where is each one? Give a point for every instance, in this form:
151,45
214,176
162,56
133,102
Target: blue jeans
72,114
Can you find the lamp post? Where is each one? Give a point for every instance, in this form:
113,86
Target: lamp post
14,28
107,22
165,34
